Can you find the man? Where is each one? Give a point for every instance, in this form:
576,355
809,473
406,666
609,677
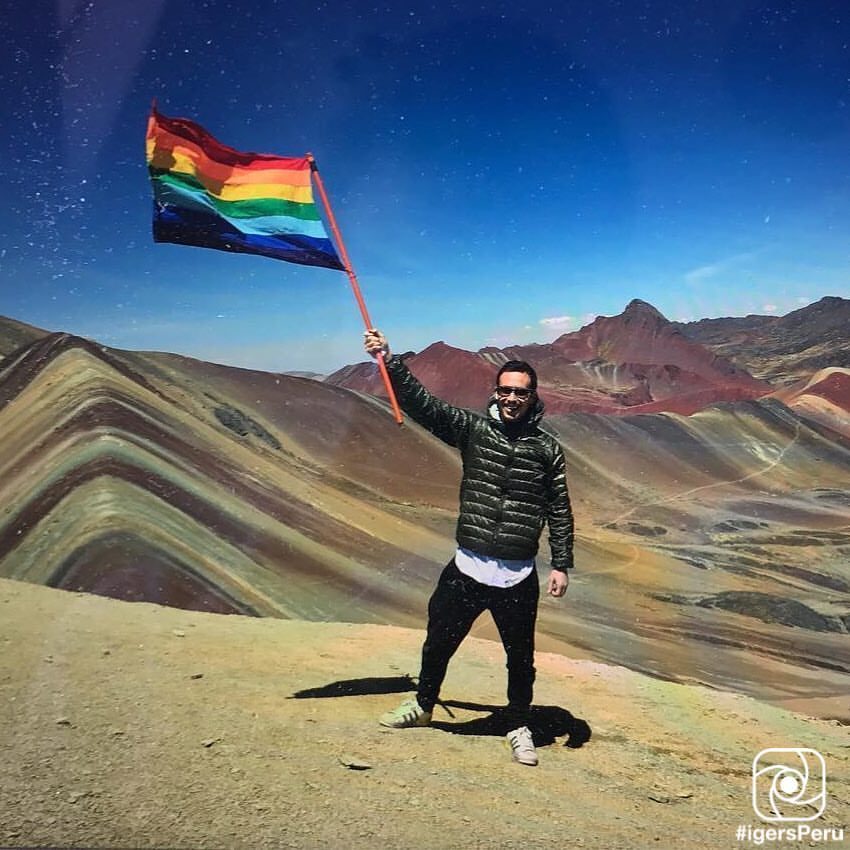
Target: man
513,483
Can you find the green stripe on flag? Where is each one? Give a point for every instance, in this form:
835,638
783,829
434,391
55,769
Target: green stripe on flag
256,208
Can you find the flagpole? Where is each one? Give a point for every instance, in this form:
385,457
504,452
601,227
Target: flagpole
355,286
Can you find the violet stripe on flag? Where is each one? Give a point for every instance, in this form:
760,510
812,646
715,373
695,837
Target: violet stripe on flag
213,196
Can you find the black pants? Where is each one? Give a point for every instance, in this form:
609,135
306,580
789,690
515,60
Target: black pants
455,605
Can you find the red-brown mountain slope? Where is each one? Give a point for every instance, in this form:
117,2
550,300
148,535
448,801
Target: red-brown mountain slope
637,362
825,397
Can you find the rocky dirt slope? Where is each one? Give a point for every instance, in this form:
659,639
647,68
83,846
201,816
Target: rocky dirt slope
135,725
780,349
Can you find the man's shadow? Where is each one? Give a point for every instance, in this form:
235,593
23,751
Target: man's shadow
546,722
359,687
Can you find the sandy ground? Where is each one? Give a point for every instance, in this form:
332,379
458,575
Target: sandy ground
136,726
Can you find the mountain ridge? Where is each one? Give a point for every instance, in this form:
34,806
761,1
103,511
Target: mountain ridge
14,334
639,362
806,339
635,362
782,349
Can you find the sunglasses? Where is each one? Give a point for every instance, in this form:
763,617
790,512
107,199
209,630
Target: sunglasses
520,392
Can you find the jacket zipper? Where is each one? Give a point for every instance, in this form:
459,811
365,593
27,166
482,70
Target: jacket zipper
502,491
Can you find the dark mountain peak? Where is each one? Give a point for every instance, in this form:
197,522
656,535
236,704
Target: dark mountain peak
442,349
829,313
781,349
642,309
439,345
828,302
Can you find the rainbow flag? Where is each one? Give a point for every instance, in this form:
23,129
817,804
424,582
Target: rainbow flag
210,195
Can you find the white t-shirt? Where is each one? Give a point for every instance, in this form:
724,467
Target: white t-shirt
495,572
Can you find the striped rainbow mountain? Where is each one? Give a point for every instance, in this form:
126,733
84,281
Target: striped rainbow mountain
709,467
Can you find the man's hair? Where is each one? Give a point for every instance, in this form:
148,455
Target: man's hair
519,366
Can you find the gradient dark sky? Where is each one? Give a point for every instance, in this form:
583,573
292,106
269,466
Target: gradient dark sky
501,172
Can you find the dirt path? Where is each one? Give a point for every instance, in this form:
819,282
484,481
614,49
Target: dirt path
132,725
685,495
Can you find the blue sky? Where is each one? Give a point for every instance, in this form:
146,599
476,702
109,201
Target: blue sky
501,173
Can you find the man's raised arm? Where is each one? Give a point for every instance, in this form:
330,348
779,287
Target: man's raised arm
449,423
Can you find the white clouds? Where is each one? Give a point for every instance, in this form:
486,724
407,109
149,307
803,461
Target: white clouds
701,274
770,308
558,323
552,327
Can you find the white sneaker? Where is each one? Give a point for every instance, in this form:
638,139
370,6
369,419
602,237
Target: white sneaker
408,714
522,746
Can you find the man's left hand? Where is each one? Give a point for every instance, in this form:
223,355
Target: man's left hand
558,583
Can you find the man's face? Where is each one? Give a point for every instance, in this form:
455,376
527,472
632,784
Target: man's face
514,405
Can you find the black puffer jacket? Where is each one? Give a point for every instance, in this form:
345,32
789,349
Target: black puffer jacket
513,476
